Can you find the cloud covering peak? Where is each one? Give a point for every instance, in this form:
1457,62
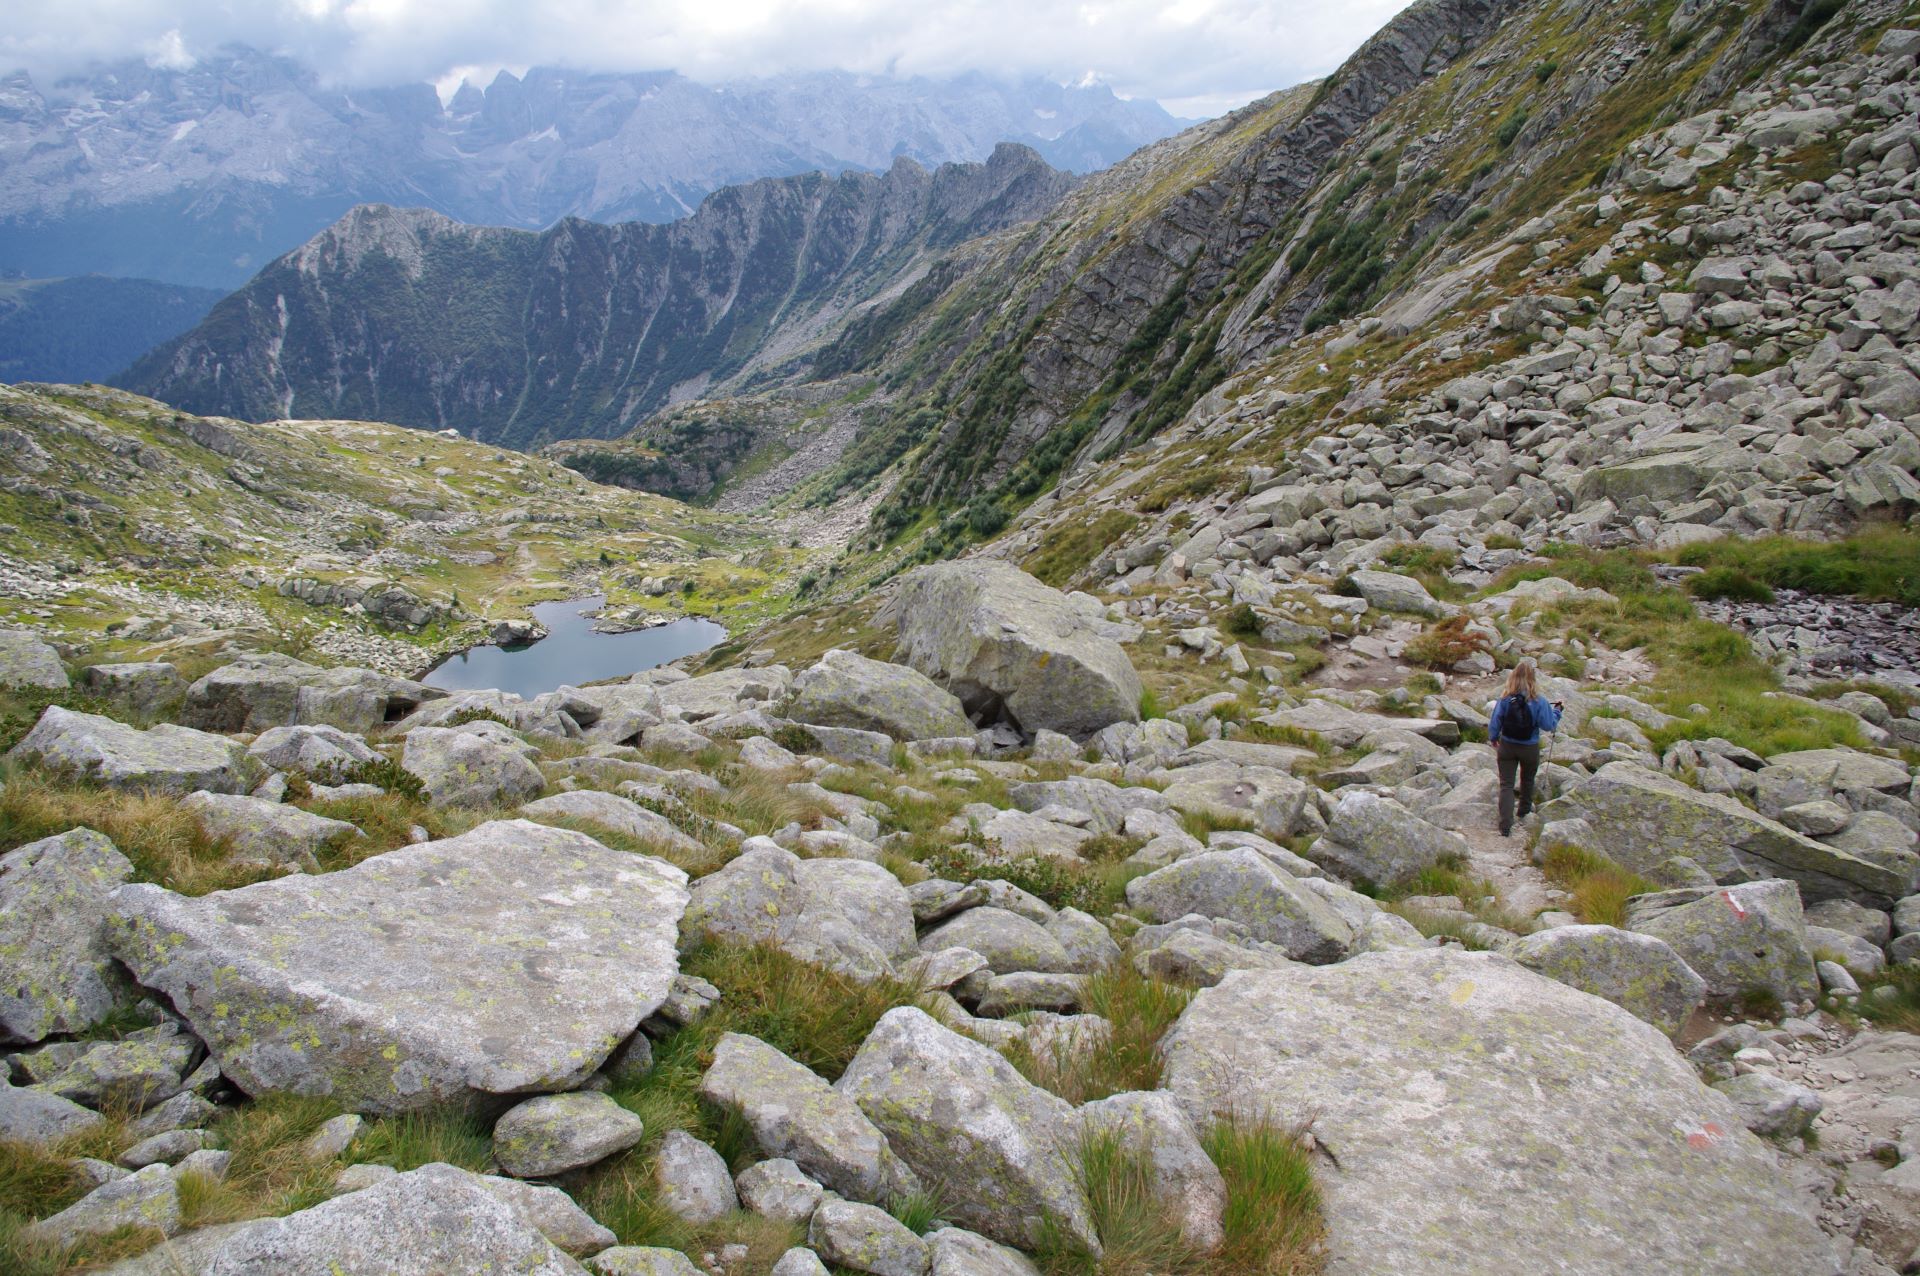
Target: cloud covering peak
1196,56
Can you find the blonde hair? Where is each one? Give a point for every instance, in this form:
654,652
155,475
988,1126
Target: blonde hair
1522,682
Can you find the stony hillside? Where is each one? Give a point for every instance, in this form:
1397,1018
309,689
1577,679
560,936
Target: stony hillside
519,339
125,524
1125,892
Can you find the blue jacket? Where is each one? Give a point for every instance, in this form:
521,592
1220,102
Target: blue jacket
1545,718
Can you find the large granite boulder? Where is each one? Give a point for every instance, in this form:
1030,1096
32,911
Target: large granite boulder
847,689
1844,769
1739,939
1482,1118
1374,839
166,758
1151,1125
998,1146
25,661
1008,941
143,690
610,810
795,1114
267,689
1241,885
1006,644
271,833
508,960
1643,818
324,754
1393,592
465,768
554,1133
56,973
1271,800
1639,973
761,898
726,691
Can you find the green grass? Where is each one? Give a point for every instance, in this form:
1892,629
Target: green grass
1097,888
1128,1058
413,1139
1729,583
1880,564
1069,548
1898,1010
1272,1222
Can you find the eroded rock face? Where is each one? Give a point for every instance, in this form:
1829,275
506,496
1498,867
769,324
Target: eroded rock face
1488,1119
1005,643
847,689
964,1119
510,959
59,976
166,758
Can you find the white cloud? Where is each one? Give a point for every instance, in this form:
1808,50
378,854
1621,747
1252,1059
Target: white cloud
1197,52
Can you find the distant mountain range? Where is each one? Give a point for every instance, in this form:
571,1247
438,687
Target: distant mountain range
202,176
583,330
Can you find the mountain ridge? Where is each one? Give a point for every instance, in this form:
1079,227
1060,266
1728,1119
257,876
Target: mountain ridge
202,175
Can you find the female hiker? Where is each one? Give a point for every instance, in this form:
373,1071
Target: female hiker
1519,716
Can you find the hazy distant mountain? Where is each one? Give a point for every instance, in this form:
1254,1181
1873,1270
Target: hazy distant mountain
89,328
202,176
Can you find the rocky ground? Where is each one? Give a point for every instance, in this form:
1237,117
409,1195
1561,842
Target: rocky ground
796,933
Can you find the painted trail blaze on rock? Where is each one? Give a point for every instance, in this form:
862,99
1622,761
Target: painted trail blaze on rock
1488,1119
510,959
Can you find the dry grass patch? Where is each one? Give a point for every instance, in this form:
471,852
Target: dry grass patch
164,841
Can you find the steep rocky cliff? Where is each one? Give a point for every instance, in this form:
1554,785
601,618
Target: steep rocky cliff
583,330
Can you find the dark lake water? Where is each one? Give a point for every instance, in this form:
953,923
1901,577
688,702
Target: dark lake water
571,653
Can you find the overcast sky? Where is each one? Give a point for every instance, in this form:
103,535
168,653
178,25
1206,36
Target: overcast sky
1198,57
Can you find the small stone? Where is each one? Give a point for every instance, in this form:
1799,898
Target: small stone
163,1148
559,1132
867,1239
333,1137
692,1180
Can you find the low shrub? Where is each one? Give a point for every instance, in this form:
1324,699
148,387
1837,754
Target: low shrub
1445,644
1728,583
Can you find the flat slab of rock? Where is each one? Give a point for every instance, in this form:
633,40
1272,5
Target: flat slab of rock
510,959
166,758
1487,1119
56,974
1643,818
1003,642
30,1115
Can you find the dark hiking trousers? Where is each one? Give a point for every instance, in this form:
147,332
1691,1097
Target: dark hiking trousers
1512,759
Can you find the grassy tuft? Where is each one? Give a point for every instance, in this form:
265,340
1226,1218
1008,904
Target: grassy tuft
1139,1230
1128,1057
413,1139
1600,887
1882,564
1273,1222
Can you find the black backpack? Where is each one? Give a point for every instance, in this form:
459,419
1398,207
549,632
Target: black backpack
1516,719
